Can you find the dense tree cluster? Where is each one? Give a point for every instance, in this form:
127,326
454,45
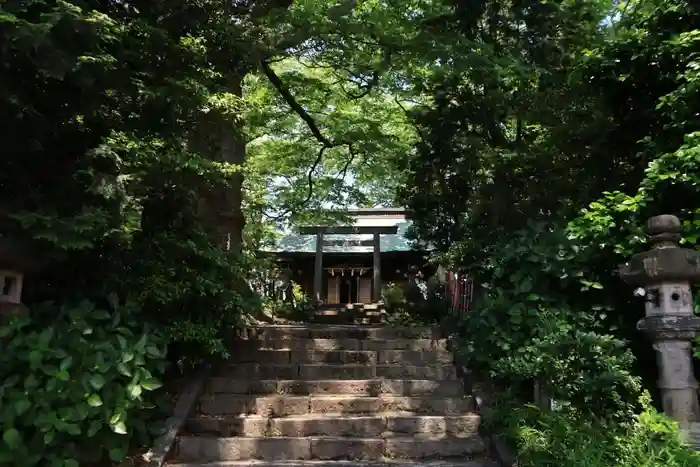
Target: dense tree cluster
152,147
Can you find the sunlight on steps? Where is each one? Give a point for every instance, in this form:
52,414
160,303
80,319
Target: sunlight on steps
334,395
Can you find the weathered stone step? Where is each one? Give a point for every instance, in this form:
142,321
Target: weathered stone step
280,406
348,319
208,449
322,344
350,316
281,357
344,463
324,331
358,312
357,387
309,371
337,425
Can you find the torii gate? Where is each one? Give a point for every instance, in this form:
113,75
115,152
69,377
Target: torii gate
375,231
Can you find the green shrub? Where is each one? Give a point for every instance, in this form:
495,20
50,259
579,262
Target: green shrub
398,310
394,298
77,391
541,318
568,437
299,308
190,287
434,307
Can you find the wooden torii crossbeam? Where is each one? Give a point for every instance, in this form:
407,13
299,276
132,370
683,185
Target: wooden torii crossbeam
349,230
375,231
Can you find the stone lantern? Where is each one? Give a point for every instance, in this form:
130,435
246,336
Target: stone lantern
16,260
663,276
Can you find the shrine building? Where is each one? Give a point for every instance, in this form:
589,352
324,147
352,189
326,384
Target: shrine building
341,265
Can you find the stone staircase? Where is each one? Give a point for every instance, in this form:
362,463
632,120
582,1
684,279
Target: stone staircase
335,395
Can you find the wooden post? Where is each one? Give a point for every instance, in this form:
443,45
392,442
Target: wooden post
377,270
318,270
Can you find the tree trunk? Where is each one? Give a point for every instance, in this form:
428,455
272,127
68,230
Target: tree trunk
231,220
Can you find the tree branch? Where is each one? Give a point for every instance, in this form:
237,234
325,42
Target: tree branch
344,171
326,143
296,107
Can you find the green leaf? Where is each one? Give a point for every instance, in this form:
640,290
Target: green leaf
63,375
113,301
134,391
49,436
116,319
119,428
117,454
35,357
122,341
22,405
71,463
118,416
153,351
141,343
66,363
123,369
94,400
101,315
72,429
82,410
97,381
151,384
94,427
12,438
127,356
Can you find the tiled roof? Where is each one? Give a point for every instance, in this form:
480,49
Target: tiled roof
296,243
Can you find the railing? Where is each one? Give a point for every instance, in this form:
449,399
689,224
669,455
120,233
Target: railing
459,293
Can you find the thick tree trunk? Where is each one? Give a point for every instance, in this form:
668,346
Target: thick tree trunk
231,220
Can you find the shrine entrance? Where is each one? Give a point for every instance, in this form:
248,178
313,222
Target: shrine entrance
348,284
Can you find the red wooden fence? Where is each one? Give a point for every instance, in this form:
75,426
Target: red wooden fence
459,292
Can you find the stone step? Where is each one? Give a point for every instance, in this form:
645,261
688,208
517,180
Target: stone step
323,331
350,316
357,387
343,463
244,346
212,449
281,357
283,405
694,435
313,371
350,312
348,319
337,425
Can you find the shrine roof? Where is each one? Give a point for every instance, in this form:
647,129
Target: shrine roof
295,242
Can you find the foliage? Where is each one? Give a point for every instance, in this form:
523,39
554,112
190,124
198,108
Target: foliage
565,438
393,297
282,299
80,389
108,156
408,304
529,140
534,317
539,162
301,174
398,311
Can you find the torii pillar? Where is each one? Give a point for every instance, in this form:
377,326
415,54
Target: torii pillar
375,231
